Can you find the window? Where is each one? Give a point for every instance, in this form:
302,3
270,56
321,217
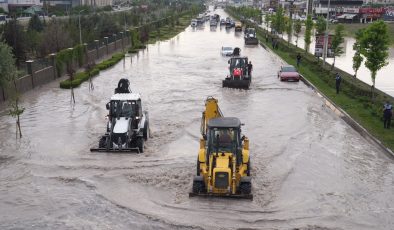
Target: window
289,69
223,139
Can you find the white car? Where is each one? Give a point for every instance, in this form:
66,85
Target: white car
193,23
226,51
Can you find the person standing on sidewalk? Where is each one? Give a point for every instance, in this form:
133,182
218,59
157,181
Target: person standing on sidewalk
298,59
338,80
387,114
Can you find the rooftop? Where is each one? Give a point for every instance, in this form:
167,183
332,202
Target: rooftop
224,122
125,97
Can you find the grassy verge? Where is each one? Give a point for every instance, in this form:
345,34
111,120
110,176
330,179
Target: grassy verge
165,32
355,95
85,75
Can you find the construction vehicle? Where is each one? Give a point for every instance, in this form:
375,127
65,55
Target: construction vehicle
236,51
250,36
127,125
238,26
239,77
223,164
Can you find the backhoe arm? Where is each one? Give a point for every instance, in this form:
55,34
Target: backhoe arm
212,110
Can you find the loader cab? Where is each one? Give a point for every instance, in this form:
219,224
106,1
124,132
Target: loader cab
238,63
125,105
224,136
250,32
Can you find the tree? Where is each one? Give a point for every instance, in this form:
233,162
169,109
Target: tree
7,65
279,22
55,38
8,73
357,58
374,47
267,19
15,37
289,30
308,32
33,38
2,11
16,111
107,25
33,43
297,30
320,25
35,24
337,41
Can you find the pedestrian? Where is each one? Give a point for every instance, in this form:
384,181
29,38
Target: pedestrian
338,80
250,67
298,59
387,114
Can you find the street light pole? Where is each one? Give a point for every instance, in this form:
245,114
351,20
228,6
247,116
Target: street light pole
125,21
79,22
325,45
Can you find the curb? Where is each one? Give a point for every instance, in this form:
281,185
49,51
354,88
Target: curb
341,113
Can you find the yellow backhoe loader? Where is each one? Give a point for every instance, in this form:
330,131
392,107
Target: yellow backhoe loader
223,166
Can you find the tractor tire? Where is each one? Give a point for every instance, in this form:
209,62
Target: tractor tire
248,170
108,144
245,187
198,187
140,144
145,133
103,142
198,167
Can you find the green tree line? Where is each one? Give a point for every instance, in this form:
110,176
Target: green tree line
42,37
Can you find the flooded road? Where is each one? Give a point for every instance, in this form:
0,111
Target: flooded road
310,169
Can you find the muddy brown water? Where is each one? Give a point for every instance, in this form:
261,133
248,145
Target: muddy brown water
310,169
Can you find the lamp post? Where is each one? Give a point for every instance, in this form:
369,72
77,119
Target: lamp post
125,21
326,35
79,23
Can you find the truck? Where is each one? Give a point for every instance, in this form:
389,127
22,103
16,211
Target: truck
223,161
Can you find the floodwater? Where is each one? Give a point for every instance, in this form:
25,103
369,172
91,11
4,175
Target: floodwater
310,169
384,78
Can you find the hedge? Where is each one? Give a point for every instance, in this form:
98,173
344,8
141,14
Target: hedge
85,75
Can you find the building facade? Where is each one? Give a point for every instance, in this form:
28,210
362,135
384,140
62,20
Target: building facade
8,5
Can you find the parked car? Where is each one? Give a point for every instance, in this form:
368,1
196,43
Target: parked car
226,51
3,17
288,73
193,23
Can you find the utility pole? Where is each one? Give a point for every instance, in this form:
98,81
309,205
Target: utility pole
125,21
325,46
309,6
79,22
